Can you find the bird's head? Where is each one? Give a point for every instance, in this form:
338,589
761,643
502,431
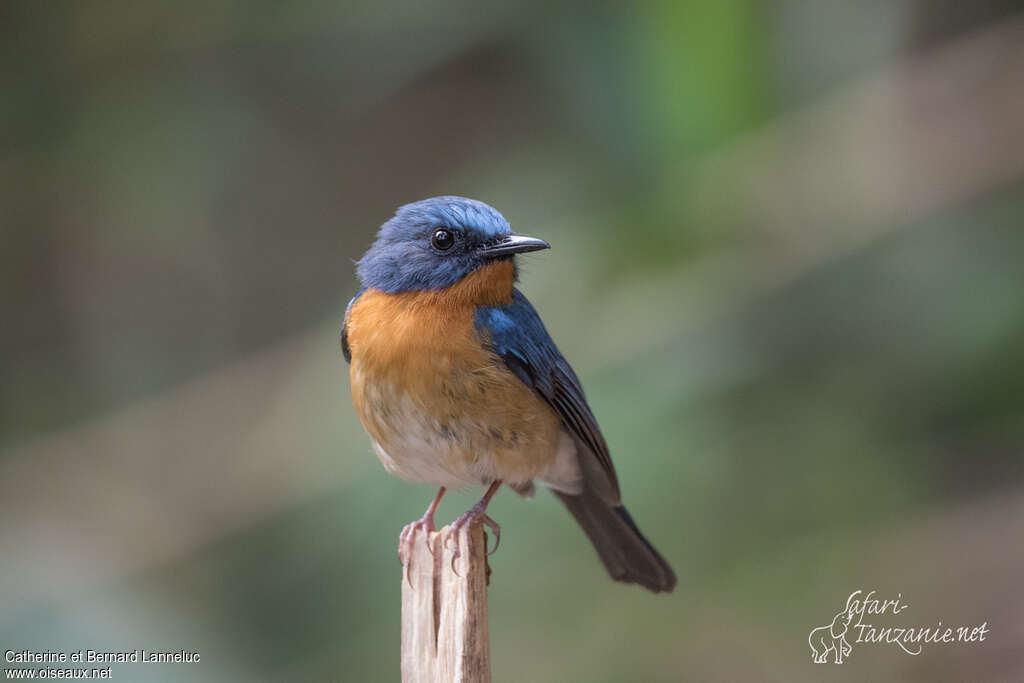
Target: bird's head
435,243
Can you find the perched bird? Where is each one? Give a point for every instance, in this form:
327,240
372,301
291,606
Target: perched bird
457,381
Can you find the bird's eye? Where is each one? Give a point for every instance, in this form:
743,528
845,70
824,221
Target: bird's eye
443,240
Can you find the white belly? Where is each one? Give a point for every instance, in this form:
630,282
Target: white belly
466,450
420,449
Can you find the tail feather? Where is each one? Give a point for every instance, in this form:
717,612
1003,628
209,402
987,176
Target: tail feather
627,555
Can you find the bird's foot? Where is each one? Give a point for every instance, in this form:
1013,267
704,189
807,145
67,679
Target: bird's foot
408,536
476,514
406,539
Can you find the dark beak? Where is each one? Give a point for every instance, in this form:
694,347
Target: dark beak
513,244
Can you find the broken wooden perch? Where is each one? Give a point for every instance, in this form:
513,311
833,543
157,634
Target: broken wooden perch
445,636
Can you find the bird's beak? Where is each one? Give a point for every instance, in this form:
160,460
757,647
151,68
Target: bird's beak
513,244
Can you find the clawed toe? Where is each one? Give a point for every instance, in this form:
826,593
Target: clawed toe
407,538
474,515
493,526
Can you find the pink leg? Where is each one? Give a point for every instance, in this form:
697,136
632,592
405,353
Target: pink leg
477,513
425,523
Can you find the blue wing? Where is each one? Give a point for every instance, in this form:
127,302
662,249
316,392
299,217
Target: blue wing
518,336
345,350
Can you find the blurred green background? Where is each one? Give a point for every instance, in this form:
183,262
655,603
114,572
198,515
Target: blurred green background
787,265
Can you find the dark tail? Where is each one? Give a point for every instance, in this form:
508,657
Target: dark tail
626,554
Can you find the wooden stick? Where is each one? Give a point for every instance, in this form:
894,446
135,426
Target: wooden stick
444,613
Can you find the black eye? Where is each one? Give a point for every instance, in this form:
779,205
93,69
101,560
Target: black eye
443,240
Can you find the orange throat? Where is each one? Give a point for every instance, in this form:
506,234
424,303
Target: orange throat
382,327
490,285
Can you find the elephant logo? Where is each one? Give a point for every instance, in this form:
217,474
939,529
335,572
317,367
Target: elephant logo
832,637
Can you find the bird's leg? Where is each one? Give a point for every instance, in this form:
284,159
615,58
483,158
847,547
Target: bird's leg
477,513
424,523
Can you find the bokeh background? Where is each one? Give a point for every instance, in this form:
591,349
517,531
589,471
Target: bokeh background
788,265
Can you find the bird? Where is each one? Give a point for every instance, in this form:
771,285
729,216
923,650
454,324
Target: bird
457,382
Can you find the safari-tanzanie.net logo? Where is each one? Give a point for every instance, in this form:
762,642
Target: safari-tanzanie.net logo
868,619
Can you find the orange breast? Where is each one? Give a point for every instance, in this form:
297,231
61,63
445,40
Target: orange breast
437,404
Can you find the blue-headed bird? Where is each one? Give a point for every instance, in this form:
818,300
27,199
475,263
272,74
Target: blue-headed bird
457,382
